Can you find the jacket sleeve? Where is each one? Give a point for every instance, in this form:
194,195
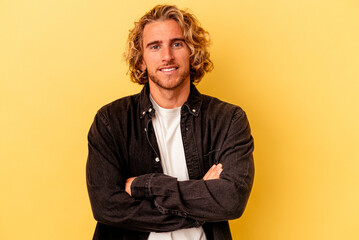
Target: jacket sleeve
110,203
213,200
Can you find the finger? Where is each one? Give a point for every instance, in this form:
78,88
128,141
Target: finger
215,174
212,174
219,170
209,173
128,185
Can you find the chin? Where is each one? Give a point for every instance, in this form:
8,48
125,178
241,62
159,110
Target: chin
168,84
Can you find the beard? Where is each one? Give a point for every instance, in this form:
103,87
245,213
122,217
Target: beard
168,84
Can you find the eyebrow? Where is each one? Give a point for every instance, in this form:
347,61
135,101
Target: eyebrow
152,43
158,41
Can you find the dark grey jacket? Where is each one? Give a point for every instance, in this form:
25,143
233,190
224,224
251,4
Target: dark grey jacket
122,144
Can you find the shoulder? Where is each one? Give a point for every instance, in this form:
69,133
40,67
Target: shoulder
119,107
225,117
217,107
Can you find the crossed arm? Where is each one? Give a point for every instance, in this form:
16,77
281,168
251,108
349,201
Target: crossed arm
213,173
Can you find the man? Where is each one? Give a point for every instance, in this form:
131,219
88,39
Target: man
169,162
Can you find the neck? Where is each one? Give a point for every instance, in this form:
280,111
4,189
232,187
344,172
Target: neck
170,98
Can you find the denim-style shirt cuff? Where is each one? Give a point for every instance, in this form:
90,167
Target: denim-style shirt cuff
141,186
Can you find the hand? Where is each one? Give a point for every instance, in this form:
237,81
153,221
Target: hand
214,172
128,185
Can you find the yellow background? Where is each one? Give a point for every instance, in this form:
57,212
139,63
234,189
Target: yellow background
292,65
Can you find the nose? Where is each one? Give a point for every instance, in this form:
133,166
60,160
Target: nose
167,54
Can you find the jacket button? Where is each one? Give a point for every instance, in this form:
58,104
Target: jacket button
193,110
157,159
150,110
143,113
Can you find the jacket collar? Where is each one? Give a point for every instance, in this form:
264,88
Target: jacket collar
192,105
194,101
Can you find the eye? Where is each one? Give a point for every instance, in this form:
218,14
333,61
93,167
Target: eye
177,44
155,47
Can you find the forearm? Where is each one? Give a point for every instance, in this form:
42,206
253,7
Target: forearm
115,207
112,205
210,201
212,174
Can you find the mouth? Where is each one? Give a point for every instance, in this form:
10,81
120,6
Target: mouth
168,69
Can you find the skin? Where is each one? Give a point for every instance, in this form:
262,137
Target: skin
164,48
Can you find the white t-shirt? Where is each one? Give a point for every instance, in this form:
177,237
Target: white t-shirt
166,124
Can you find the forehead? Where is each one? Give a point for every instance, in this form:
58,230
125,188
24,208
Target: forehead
162,31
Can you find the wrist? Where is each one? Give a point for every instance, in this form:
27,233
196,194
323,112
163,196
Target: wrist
141,186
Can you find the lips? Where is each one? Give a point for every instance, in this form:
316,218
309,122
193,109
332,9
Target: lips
168,68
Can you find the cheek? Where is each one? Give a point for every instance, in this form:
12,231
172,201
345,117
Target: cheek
150,61
188,59
189,51
188,56
143,66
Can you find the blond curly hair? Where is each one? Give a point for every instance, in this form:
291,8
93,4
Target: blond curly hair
196,38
